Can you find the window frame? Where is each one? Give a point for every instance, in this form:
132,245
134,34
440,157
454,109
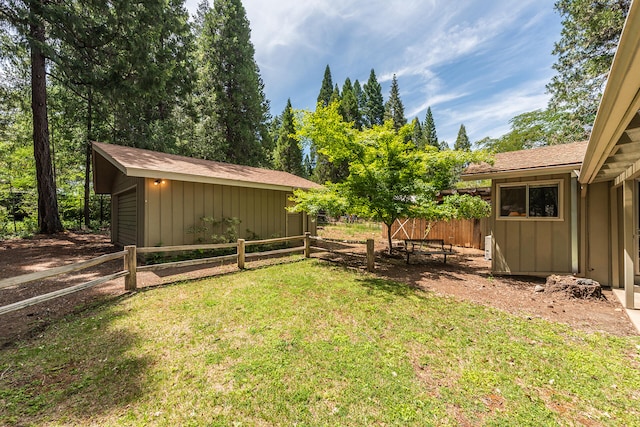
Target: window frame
528,185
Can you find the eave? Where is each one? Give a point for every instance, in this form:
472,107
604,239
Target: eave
613,153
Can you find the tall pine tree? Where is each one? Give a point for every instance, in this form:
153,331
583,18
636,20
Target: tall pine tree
287,155
431,137
589,38
349,105
373,109
233,107
326,90
462,141
393,109
417,137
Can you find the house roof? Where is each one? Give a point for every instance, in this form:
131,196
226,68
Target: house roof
536,161
136,162
614,146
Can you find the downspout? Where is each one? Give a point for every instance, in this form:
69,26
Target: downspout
575,254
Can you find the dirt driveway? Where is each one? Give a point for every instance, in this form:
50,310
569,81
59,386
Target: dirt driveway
465,277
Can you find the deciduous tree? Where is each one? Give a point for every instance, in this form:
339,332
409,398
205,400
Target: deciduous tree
388,177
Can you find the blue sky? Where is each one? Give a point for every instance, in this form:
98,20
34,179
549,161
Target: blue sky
474,62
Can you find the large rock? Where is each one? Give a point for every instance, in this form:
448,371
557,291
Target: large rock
573,287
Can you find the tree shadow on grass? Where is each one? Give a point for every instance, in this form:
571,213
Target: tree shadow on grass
393,288
72,372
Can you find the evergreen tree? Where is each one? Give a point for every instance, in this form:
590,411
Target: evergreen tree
462,141
28,20
431,137
393,109
288,155
349,105
373,109
417,136
358,92
326,90
335,95
233,108
589,38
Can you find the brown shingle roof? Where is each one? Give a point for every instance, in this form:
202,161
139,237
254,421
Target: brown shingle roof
541,159
151,164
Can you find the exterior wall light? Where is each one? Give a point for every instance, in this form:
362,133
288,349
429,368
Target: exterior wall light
158,181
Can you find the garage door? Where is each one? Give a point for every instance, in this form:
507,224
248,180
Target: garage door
127,214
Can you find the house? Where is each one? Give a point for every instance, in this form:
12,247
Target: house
575,208
160,199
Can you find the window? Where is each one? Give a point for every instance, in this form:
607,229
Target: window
535,200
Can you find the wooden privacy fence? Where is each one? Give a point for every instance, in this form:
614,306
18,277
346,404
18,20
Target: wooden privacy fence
130,253
468,233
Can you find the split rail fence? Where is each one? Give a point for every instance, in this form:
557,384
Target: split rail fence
130,253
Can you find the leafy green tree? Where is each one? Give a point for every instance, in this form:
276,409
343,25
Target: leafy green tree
393,109
589,38
288,155
431,136
535,129
326,90
388,177
233,108
462,141
373,109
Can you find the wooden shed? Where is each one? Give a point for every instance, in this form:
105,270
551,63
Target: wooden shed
160,199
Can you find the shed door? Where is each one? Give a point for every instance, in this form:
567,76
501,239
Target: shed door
127,214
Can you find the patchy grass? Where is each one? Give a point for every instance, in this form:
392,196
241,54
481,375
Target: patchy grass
358,231
311,344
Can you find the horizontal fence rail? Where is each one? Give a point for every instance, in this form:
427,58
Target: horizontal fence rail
71,268
130,254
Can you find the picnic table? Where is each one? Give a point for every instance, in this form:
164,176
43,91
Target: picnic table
428,247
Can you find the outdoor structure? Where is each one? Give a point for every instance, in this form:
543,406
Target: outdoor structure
469,233
160,199
575,208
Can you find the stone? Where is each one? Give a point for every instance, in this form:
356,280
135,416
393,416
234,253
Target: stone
539,288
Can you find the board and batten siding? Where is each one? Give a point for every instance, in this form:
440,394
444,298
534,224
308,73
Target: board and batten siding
174,210
530,246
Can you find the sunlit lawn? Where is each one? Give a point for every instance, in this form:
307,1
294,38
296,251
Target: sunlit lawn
310,344
358,231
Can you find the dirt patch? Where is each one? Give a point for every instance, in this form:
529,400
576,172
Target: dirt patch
465,276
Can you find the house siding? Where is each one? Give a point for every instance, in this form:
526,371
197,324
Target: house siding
530,246
175,209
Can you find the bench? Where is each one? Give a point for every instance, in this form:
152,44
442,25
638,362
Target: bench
427,247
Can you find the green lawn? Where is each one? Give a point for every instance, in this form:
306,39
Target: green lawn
360,231
309,344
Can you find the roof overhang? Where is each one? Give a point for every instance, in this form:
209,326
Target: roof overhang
522,173
613,153
108,166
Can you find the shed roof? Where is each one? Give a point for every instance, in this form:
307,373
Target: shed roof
536,161
136,162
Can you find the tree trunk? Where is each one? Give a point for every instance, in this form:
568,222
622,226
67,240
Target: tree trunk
87,161
48,216
389,236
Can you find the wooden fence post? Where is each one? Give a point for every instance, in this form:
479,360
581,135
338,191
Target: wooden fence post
307,244
371,255
241,253
130,264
